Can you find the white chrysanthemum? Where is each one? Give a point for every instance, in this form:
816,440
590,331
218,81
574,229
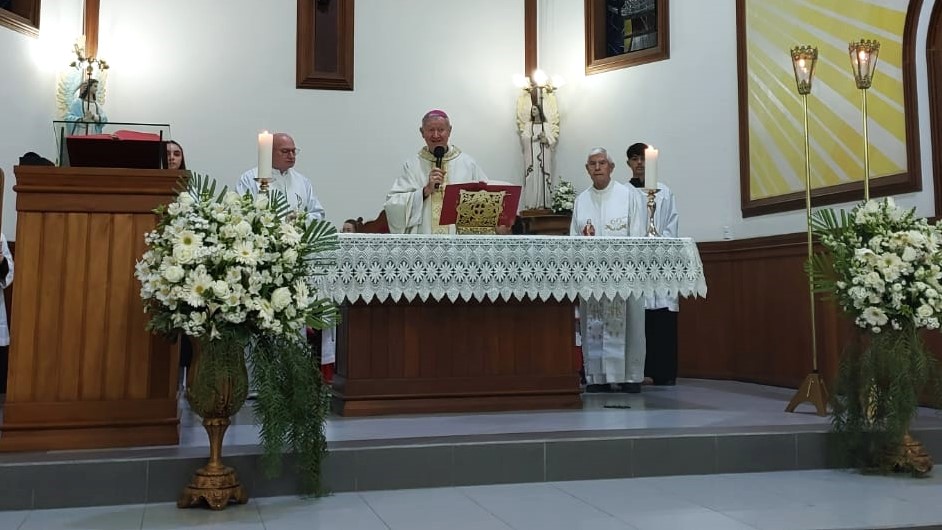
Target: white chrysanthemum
245,253
875,316
197,286
187,238
289,234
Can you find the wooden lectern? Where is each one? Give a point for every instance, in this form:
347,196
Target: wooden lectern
84,372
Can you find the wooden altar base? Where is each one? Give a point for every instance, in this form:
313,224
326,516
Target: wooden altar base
422,357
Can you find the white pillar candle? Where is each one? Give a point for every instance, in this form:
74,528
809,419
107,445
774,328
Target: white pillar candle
650,168
265,140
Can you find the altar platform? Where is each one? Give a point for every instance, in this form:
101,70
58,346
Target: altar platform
698,427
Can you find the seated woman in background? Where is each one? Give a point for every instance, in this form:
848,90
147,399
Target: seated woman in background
351,226
175,158
328,337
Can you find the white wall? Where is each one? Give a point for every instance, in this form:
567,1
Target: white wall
29,67
687,107
227,72
219,76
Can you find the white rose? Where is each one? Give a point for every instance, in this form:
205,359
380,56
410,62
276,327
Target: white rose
184,254
174,273
924,311
221,288
231,198
243,228
280,298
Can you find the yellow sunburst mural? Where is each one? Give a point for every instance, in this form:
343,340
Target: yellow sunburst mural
776,135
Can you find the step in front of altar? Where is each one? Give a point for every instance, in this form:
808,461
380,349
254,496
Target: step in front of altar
698,427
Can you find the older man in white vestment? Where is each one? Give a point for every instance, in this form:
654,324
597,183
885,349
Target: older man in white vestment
296,187
414,204
613,345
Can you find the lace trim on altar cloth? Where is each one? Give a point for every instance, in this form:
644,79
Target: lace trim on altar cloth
385,267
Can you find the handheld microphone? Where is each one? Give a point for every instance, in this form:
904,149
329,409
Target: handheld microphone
439,153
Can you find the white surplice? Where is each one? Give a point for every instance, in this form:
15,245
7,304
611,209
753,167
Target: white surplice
613,345
666,223
5,282
296,187
407,212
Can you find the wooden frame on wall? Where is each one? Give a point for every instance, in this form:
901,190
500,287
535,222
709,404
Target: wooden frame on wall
757,102
601,57
23,17
325,44
934,61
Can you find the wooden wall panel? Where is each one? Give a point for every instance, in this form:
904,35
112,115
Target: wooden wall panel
84,371
120,279
755,323
73,310
48,335
96,296
25,320
705,342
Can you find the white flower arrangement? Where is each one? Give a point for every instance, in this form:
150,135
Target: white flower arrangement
231,262
886,265
564,197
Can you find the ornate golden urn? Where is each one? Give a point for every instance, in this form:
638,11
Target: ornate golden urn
217,390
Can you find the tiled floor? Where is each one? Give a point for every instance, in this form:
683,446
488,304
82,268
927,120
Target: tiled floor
786,500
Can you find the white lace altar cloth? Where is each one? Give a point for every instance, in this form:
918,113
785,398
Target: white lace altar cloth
405,267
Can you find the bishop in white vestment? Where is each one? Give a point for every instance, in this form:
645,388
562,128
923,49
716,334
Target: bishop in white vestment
613,344
414,204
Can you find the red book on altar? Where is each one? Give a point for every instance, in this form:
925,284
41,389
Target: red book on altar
453,194
123,134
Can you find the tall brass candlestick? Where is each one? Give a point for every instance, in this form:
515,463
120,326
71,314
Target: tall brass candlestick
866,144
812,389
814,335
863,61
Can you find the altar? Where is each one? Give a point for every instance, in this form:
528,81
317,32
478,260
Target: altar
480,323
